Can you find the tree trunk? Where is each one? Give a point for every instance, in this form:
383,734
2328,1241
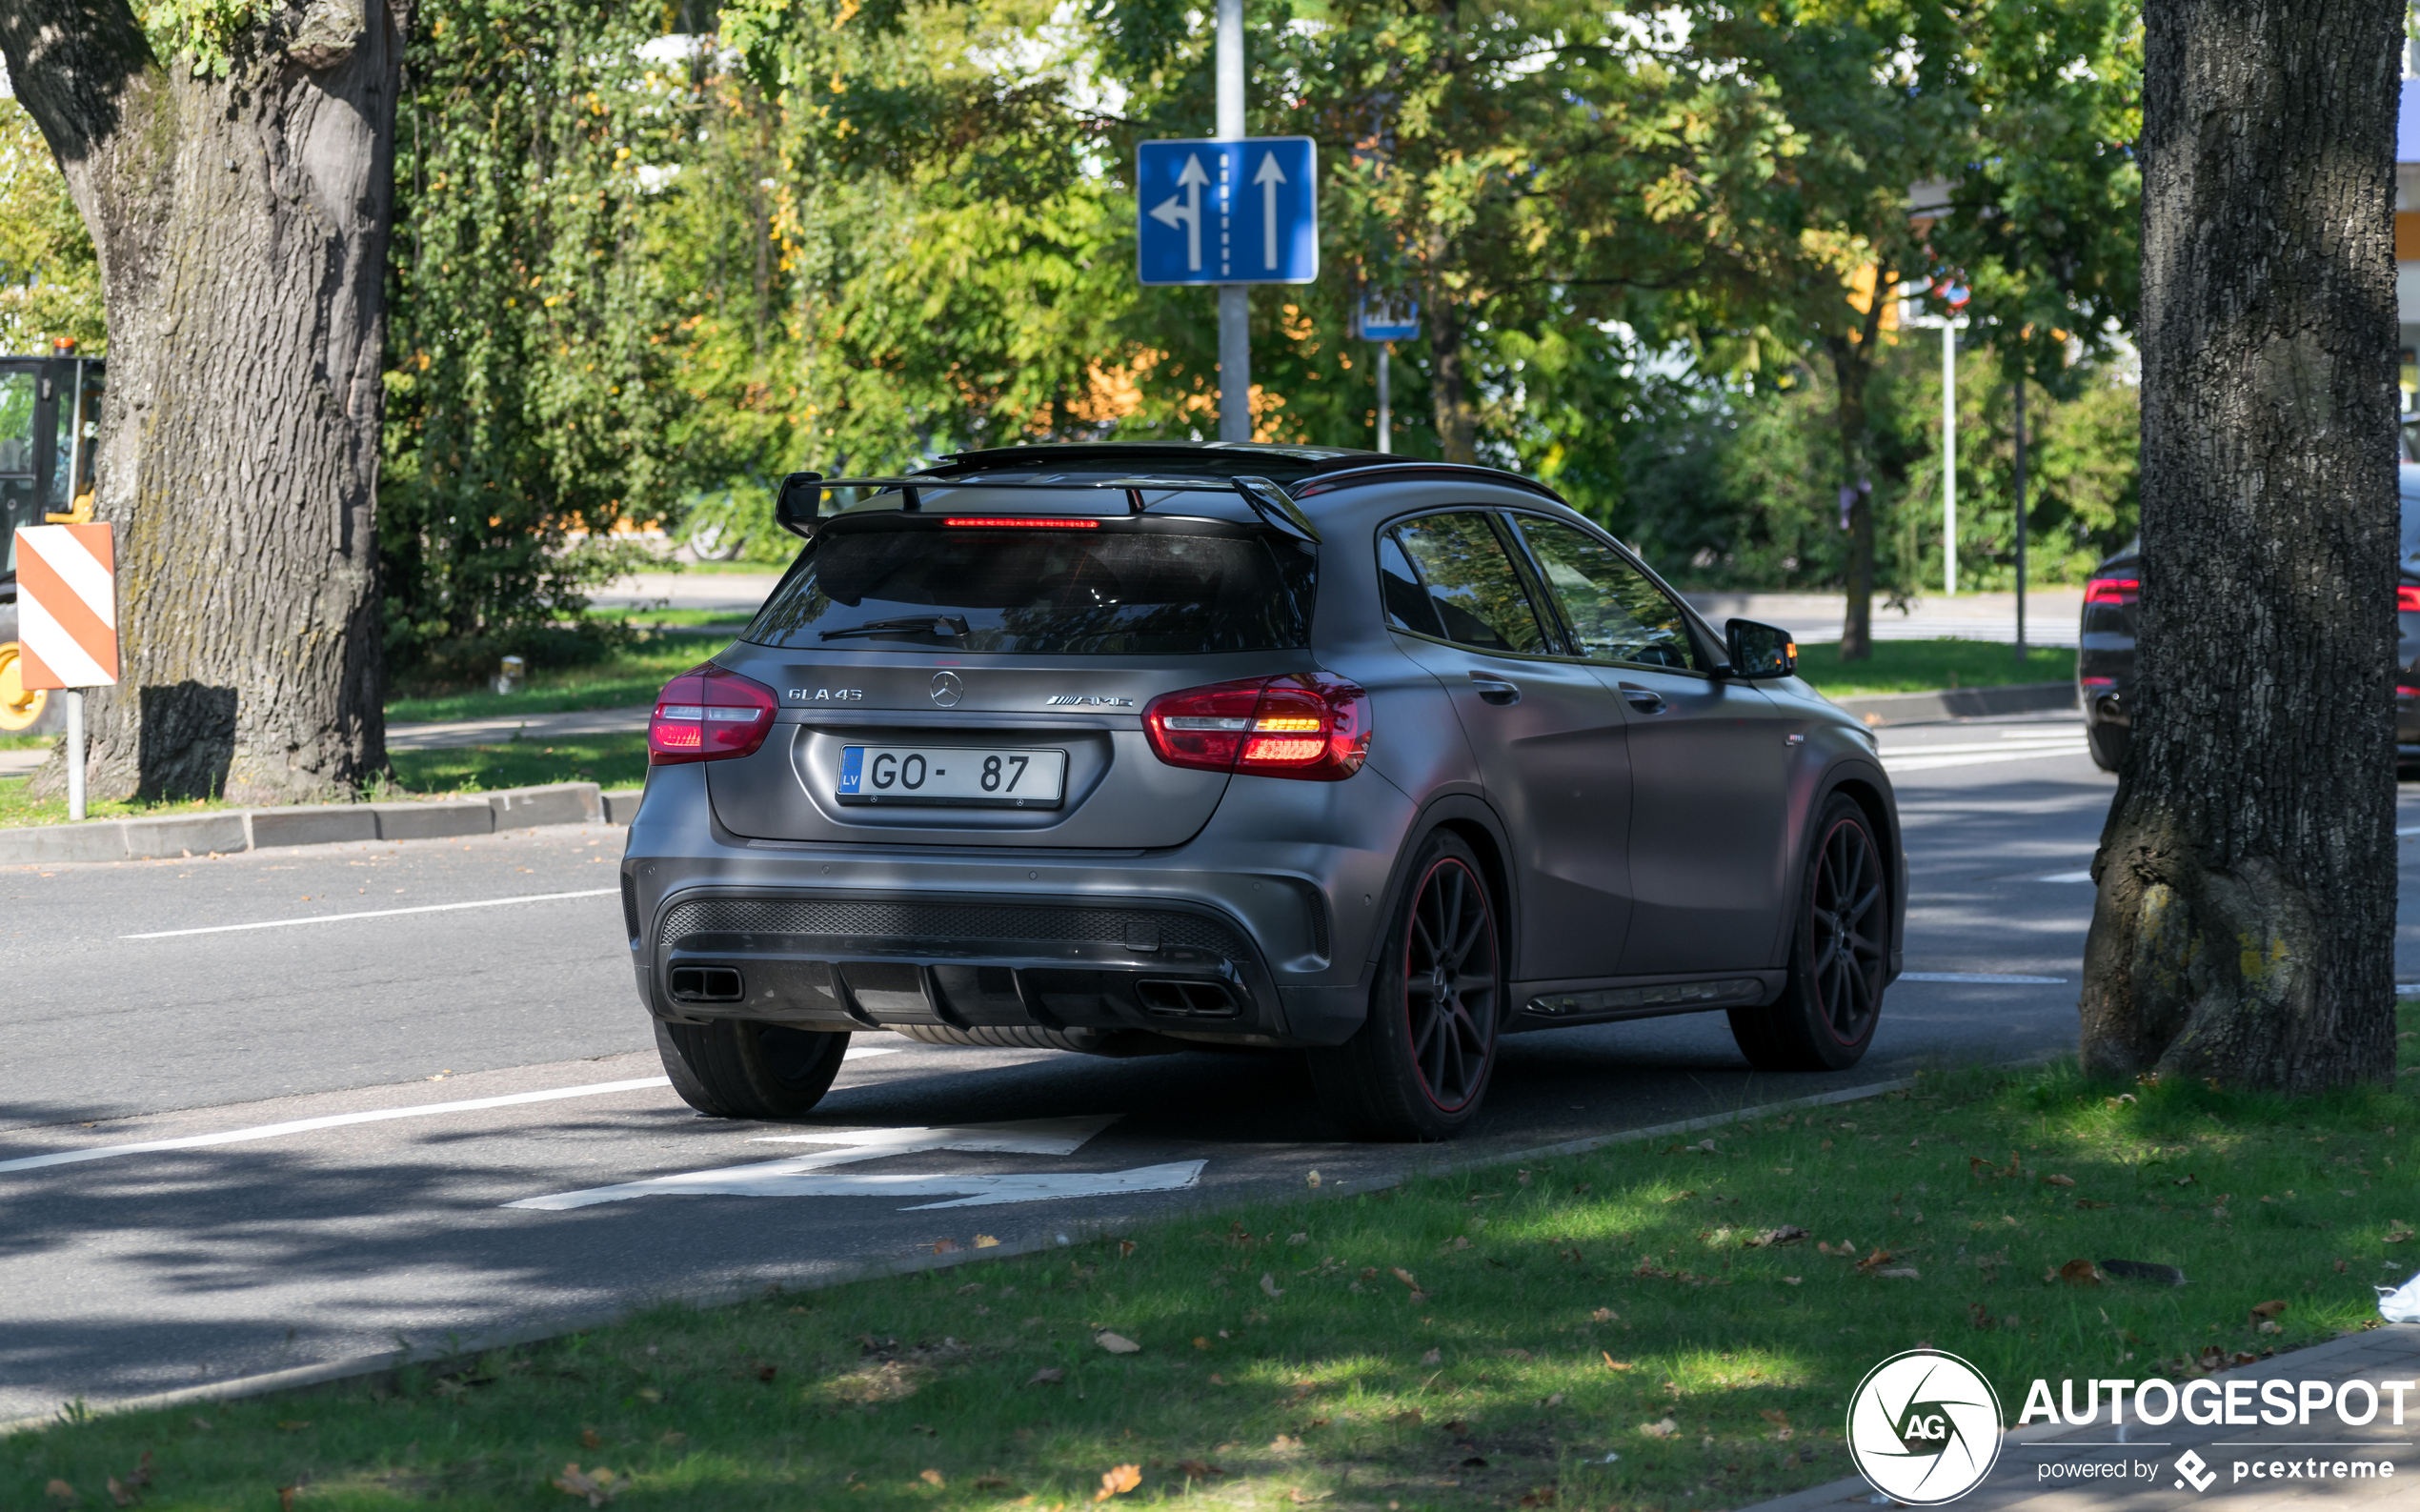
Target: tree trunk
241,223
2245,924
1448,384
1852,364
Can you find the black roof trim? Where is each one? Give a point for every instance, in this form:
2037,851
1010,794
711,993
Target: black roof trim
1371,473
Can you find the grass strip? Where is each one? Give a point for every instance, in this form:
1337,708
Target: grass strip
633,675
1924,666
608,760
1641,1327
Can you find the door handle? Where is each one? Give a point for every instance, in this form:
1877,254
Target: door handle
1646,700
1495,690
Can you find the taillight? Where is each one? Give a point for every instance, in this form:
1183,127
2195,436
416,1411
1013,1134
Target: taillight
2097,683
2112,589
1314,726
2408,598
707,714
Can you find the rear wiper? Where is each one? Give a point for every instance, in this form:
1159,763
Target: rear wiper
931,624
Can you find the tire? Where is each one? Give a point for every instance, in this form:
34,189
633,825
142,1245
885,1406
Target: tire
736,1069
1826,1015
2108,744
1419,1066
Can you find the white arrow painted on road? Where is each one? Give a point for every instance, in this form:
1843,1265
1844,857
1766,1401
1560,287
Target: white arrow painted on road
799,1176
1171,213
1269,179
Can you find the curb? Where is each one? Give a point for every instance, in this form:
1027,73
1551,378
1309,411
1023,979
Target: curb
360,1366
1961,703
223,832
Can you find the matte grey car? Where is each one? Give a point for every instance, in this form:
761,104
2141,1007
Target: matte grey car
1125,748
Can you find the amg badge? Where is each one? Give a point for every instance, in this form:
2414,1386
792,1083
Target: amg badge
1086,700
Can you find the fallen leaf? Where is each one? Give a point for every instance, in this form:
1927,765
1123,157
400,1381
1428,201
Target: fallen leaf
1543,1495
986,1242
2088,1202
119,1494
1435,1357
1790,1281
62,1493
597,1485
1555,1401
1116,1343
1613,1363
2268,1309
1218,1380
1312,1181
672,1439
766,1373
970,1288
1269,1284
1285,1442
1125,1248
202,1423
650,1394
1047,1376
589,1440
991,1482
932,1478
294,1425
286,1499
1297,1238
1664,1429
1201,1342
2397,1231
944,1246
1787,1233
2058,1180
1409,1418
1604,1314
2266,1327
2080,1273
1199,1469
1904,1273
1405,1277
1122,1479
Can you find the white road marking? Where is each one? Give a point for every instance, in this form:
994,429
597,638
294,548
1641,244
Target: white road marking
1984,977
2409,830
332,1120
867,1052
1921,759
989,1191
2083,876
2407,989
784,1178
377,913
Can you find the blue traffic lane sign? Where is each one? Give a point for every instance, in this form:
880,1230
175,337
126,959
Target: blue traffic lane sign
1227,213
1380,319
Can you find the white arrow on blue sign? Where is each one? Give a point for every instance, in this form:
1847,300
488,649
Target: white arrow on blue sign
1227,213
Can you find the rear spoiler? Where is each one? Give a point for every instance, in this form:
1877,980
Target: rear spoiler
798,505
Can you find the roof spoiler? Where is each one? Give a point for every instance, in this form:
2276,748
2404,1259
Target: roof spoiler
799,504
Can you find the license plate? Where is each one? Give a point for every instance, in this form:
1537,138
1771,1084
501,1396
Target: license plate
952,777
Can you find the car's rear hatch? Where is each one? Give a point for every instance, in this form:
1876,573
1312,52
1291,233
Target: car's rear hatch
974,672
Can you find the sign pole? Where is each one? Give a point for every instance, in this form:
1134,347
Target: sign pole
1949,459
1386,398
1235,303
75,754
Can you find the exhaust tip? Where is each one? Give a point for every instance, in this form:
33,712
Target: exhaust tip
707,984
1190,999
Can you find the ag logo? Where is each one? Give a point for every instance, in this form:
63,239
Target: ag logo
1925,1427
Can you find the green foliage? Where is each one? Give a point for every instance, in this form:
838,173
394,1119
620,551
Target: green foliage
50,277
207,34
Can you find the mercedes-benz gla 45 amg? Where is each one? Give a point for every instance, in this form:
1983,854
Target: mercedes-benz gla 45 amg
1112,748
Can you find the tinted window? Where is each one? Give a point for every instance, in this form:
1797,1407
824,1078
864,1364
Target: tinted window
1470,583
1060,592
1615,614
2411,525
1399,588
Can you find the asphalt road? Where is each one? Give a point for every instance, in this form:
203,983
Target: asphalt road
443,1060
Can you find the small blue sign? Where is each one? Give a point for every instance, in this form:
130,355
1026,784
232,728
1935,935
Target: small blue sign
1380,319
851,770
1227,213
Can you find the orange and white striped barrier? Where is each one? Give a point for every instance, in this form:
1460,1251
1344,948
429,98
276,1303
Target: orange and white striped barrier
67,624
66,606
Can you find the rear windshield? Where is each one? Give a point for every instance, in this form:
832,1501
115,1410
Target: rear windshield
1046,593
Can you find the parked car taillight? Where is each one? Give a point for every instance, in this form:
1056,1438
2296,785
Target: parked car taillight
2112,589
707,714
2408,598
1316,727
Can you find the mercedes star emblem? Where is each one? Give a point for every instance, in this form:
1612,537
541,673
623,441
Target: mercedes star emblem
947,690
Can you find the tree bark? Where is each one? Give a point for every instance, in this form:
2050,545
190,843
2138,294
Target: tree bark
2243,929
1852,355
241,223
1456,417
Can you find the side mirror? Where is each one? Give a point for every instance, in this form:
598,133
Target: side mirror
1759,651
797,502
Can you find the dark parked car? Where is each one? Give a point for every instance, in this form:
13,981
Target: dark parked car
1129,747
2104,660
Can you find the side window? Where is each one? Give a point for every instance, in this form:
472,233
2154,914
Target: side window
1615,611
1399,588
1470,584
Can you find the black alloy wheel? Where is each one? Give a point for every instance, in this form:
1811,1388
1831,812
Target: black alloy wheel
1419,1066
734,1068
1839,953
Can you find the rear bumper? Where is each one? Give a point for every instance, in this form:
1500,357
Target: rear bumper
1239,938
